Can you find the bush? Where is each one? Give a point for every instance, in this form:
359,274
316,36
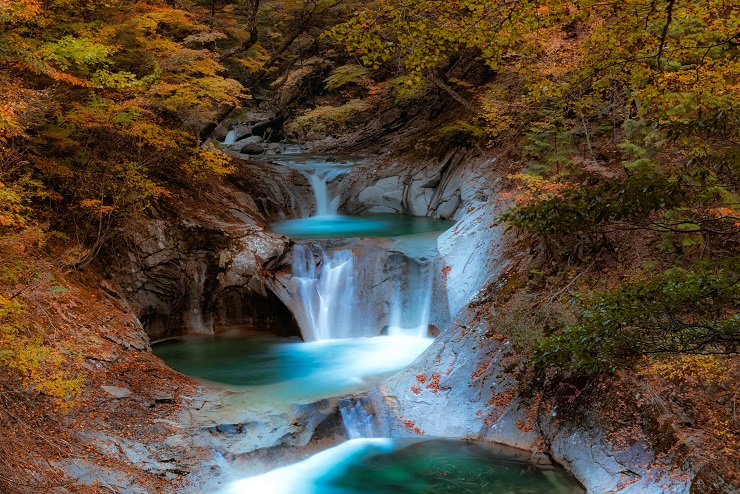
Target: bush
326,119
527,320
556,208
680,311
346,74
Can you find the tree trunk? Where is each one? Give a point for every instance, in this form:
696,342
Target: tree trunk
249,9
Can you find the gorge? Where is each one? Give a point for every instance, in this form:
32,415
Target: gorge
344,292
389,296
344,246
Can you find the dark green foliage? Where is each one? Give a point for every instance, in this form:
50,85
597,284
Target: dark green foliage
526,320
680,311
594,209
344,75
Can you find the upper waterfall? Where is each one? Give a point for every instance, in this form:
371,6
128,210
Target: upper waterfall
326,204
319,171
230,137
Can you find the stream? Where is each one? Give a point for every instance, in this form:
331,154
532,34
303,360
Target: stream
353,338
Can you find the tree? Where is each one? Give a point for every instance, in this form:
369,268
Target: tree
680,311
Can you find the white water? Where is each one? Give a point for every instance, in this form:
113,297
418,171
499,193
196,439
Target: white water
337,299
327,292
230,137
501,470
336,367
410,312
356,421
326,204
335,316
319,171
301,478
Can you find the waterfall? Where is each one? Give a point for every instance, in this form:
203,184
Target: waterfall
411,307
339,295
327,292
349,294
230,137
357,422
319,178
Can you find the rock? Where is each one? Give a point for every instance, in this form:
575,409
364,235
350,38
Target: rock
313,135
205,268
220,132
252,149
251,140
90,475
275,147
540,458
241,132
383,196
270,130
117,392
432,182
163,398
241,120
107,288
251,145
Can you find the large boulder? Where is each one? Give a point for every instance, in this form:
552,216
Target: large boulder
251,145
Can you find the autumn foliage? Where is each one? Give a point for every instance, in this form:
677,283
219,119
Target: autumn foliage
618,123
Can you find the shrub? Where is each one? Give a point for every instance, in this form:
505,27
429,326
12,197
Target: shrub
327,119
346,74
680,311
527,320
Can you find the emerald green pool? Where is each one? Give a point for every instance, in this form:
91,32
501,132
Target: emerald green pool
411,466
285,369
377,225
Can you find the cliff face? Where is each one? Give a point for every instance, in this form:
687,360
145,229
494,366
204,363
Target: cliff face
200,267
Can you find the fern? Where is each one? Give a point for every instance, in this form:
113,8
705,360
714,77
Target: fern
346,74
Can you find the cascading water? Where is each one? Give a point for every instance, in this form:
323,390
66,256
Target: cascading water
347,298
327,293
326,205
357,422
410,312
319,171
326,222
340,297
230,137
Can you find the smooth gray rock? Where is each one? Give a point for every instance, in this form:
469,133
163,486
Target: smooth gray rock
251,145
205,271
84,473
116,391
